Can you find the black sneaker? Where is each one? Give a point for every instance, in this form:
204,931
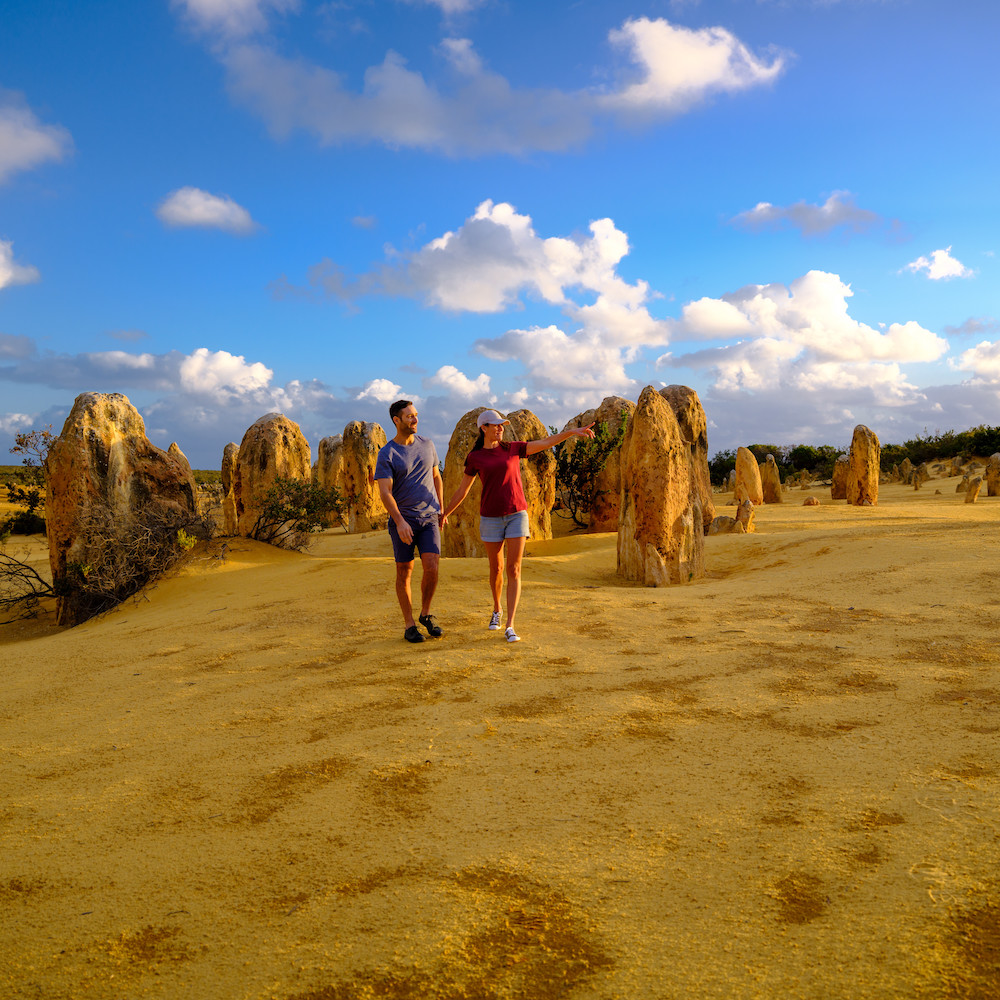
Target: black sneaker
412,634
432,626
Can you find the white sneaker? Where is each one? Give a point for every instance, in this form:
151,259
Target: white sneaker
494,621
512,636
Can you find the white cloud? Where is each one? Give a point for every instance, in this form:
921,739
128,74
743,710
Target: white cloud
470,109
839,210
206,371
800,368
24,141
555,360
811,313
11,272
940,266
680,67
983,360
457,383
190,207
380,389
15,423
233,18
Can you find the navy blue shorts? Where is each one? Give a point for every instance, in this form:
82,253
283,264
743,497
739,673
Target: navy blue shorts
426,538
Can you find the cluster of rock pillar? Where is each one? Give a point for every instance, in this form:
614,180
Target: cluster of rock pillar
654,491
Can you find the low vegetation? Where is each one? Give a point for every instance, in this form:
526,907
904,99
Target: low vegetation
819,461
579,461
291,509
127,554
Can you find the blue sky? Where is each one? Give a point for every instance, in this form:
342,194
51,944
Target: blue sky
224,208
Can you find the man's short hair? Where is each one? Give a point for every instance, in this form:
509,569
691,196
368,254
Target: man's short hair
398,407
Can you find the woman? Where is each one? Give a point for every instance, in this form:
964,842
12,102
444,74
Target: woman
503,509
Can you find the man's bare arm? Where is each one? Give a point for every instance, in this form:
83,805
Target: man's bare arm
389,502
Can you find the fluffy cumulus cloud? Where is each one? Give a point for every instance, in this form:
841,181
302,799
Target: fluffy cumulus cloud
381,390
983,361
25,141
678,67
940,266
207,371
466,108
792,360
839,211
190,207
11,272
812,314
456,383
496,261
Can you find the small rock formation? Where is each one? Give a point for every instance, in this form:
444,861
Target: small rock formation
862,475
770,481
748,485
956,465
327,471
921,475
103,462
661,538
693,423
272,447
811,502
838,487
730,483
742,524
993,475
358,454
975,485
612,411
905,471
230,456
963,486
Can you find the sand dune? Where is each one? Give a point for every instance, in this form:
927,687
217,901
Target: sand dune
780,781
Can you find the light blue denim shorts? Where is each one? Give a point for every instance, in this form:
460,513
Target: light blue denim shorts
496,529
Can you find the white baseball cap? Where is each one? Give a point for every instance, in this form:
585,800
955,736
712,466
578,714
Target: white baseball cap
490,417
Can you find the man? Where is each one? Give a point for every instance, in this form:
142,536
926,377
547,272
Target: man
412,491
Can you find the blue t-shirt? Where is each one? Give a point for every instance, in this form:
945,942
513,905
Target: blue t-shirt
411,469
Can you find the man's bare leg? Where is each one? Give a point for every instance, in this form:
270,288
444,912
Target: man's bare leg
404,572
429,581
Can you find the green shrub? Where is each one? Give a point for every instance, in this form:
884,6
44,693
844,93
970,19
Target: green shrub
291,509
577,469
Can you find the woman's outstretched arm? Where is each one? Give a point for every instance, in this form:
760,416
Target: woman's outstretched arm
534,447
458,496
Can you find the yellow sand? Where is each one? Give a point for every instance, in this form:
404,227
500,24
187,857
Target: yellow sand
779,781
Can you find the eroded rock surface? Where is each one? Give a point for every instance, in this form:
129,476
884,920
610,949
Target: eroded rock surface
661,538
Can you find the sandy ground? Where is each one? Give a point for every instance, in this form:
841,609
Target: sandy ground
779,781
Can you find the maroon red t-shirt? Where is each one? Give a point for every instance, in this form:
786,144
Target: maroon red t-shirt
499,470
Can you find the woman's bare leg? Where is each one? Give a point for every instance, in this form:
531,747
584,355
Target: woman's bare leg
496,571
515,550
